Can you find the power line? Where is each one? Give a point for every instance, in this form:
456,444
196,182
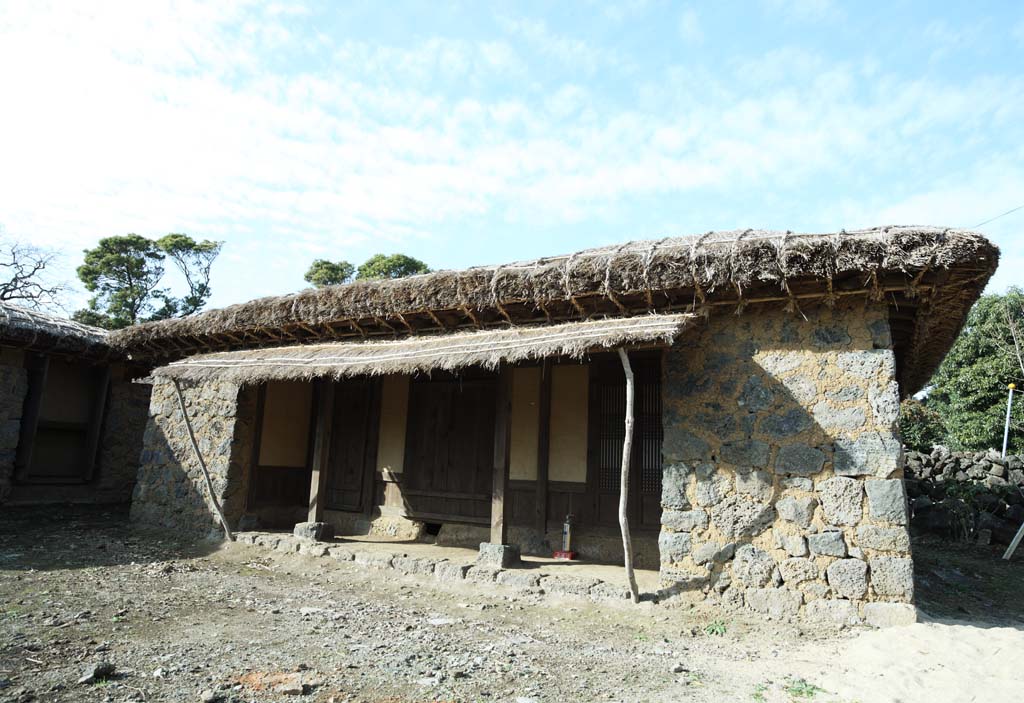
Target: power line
1008,212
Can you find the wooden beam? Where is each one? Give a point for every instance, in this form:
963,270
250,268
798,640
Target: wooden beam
321,449
92,442
502,446
36,366
543,447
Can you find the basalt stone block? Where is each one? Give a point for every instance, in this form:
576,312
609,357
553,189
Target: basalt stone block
797,510
890,614
754,568
831,543
887,500
838,612
893,576
838,419
568,585
797,570
749,453
793,545
883,539
738,516
413,565
885,404
673,546
375,560
516,578
776,603
316,531
684,520
841,500
871,454
711,487
755,396
499,556
714,552
680,445
831,336
449,571
787,424
673,486
848,578
756,484
799,460
481,573
866,363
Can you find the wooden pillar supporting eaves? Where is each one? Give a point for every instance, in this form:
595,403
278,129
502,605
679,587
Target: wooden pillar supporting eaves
543,448
502,447
321,449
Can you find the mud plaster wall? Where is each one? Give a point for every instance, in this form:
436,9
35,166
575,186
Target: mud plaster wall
394,409
171,491
567,455
287,413
13,387
782,491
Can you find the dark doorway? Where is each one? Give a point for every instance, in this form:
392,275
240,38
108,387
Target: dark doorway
607,431
353,445
449,448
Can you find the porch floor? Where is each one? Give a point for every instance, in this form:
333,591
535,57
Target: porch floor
371,549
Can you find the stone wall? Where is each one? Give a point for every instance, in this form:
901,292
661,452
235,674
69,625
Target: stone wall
124,425
170,491
13,387
782,488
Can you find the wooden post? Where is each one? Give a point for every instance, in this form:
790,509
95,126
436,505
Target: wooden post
321,449
36,367
502,430
96,423
543,447
627,448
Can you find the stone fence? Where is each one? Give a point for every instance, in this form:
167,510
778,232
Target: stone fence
974,496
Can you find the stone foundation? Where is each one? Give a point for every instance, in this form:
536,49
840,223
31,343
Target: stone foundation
782,488
171,491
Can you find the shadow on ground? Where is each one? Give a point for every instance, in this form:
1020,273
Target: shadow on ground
968,583
47,537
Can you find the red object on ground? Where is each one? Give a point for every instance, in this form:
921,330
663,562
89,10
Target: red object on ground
561,554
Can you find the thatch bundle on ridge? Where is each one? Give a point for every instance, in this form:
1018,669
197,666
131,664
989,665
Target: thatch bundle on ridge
933,274
40,331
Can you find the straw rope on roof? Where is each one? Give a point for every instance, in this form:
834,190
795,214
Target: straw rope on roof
929,277
487,348
39,331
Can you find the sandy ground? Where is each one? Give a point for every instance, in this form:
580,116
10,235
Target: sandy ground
186,622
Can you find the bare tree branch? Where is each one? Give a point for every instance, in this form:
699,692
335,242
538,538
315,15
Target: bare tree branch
24,276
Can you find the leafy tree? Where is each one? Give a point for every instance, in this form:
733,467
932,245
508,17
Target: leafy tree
124,274
394,266
194,260
23,275
920,427
970,387
329,273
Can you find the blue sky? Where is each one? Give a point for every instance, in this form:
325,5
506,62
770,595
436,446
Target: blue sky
471,133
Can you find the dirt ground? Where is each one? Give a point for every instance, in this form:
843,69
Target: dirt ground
194,622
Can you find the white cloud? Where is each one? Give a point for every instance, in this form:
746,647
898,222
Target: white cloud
185,118
689,26
804,10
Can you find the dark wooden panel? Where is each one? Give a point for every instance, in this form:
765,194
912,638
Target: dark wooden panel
353,445
607,431
281,485
449,448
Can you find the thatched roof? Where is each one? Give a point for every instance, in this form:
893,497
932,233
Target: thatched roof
39,331
929,276
450,352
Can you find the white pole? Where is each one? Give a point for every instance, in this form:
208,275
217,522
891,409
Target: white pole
627,447
1006,427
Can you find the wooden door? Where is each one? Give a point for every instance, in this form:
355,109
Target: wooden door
353,450
449,448
607,431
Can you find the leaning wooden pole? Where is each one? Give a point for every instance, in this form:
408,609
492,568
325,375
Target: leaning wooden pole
202,464
627,449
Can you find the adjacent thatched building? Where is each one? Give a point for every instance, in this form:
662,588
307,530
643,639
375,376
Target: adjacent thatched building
769,370
71,419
